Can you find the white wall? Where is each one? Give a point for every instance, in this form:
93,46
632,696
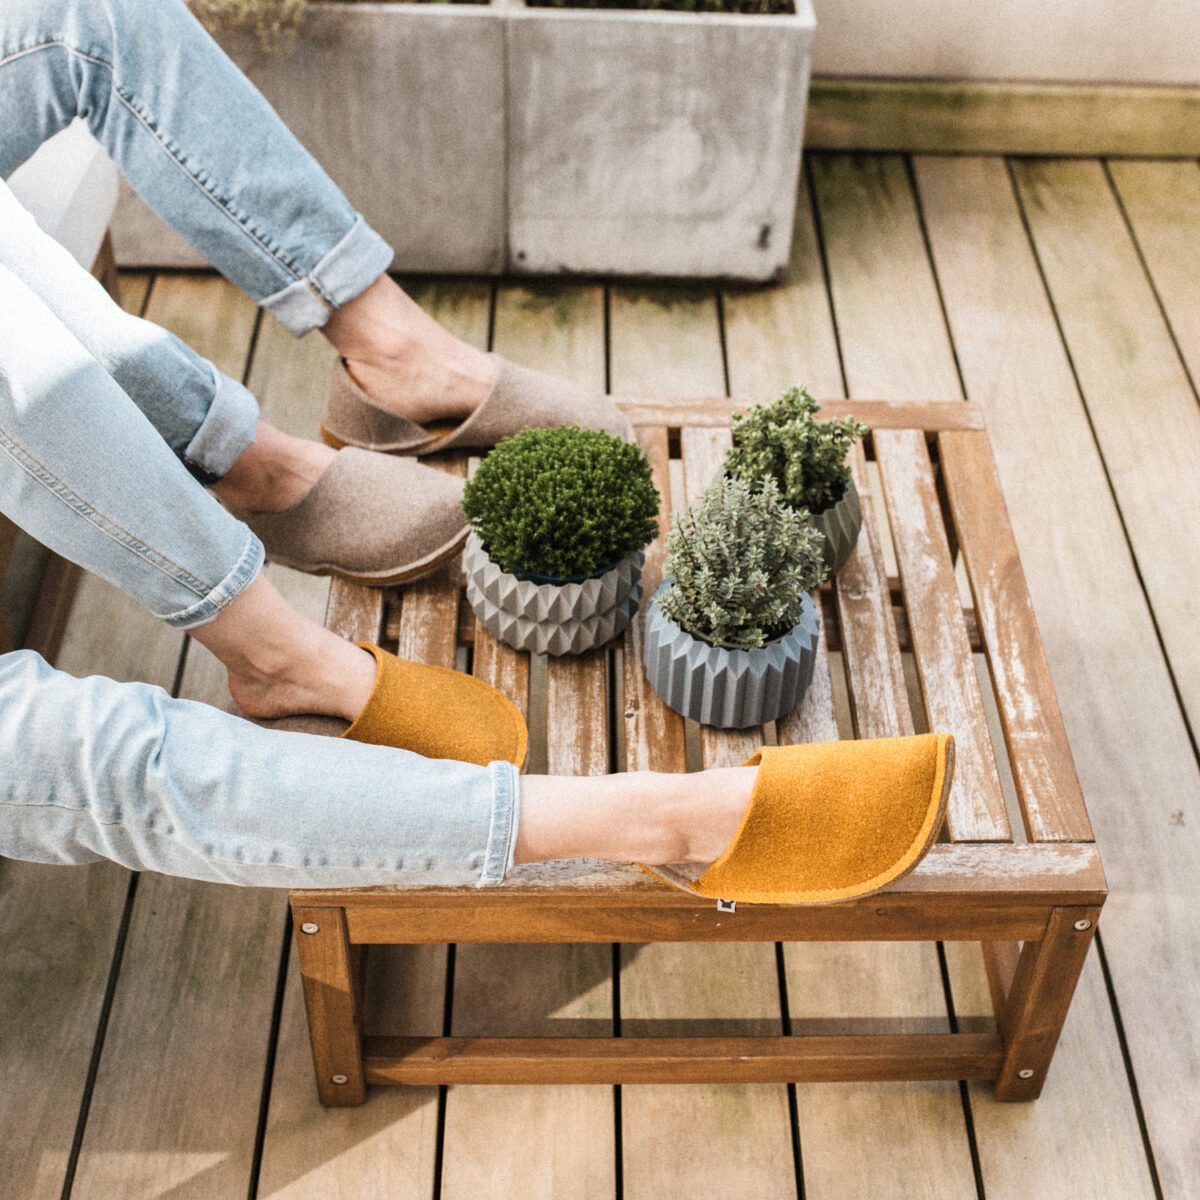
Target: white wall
1061,41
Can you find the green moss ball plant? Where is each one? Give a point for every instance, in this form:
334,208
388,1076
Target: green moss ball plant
559,520
731,635
808,460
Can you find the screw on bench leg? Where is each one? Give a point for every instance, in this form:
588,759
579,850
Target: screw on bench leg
1037,1005
332,997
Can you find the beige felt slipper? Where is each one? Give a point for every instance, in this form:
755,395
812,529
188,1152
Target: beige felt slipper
429,710
521,398
370,518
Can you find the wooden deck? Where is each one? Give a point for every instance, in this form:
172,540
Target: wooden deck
153,1037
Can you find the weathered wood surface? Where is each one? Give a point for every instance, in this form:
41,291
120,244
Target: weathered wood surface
1140,400
530,1141
1130,746
668,343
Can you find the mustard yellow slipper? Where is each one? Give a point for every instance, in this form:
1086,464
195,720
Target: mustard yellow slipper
438,713
430,710
829,821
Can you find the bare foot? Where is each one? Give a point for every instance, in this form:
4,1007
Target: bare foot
275,473
404,360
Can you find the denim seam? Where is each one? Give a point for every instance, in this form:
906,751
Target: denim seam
249,563
500,838
123,537
128,101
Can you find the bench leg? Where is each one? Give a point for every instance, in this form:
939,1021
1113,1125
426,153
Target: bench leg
332,997
1036,1005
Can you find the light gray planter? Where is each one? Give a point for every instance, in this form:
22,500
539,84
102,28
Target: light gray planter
655,143
547,618
403,104
731,689
493,137
840,524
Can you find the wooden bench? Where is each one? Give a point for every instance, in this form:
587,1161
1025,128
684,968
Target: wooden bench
1016,864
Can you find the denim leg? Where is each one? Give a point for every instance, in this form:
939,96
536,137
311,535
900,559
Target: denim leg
84,471
195,138
92,769
207,418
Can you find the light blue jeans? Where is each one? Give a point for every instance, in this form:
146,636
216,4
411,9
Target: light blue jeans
107,423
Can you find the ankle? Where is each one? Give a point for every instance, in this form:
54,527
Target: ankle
275,473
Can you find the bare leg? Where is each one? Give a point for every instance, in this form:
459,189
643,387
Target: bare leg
280,662
404,359
637,816
276,472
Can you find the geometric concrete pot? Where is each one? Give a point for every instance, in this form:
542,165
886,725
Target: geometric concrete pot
840,523
730,689
549,618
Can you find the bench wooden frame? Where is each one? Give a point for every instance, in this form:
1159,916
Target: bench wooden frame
1033,904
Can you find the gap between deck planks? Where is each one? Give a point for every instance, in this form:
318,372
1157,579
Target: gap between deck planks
894,342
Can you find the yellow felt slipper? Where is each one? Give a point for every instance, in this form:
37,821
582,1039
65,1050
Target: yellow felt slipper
438,713
430,710
829,821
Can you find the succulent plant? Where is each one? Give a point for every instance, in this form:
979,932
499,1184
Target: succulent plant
805,457
739,561
562,503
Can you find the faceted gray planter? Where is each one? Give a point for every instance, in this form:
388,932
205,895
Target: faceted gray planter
548,618
840,523
731,689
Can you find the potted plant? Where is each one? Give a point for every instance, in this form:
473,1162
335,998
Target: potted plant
732,632
559,520
807,459
641,137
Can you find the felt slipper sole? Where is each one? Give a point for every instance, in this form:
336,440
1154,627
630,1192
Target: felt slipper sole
828,822
393,575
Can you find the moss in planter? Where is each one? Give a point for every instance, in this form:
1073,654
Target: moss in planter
805,457
274,22
740,561
562,502
715,6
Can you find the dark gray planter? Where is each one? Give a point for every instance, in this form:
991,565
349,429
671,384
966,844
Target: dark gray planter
731,689
840,524
548,618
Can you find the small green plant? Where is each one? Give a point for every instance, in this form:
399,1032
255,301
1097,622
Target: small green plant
740,561
562,503
274,22
783,441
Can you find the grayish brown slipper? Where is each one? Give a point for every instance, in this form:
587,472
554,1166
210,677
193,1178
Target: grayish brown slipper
521,398
370,518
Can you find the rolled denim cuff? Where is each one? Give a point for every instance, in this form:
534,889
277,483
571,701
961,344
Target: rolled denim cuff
345,272
244,572
502,835
226,433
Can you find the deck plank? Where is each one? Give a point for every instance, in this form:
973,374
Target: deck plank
677,1141
1141,403
1116,700
176,1097
532,1141
60,926
863,1140
387,1148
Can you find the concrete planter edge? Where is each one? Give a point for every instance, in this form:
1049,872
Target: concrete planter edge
548,618
729,689
840,525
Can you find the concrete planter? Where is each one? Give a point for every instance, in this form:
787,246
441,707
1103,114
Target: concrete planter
548,618
731,689
496,137
403,105
655,143
840,525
